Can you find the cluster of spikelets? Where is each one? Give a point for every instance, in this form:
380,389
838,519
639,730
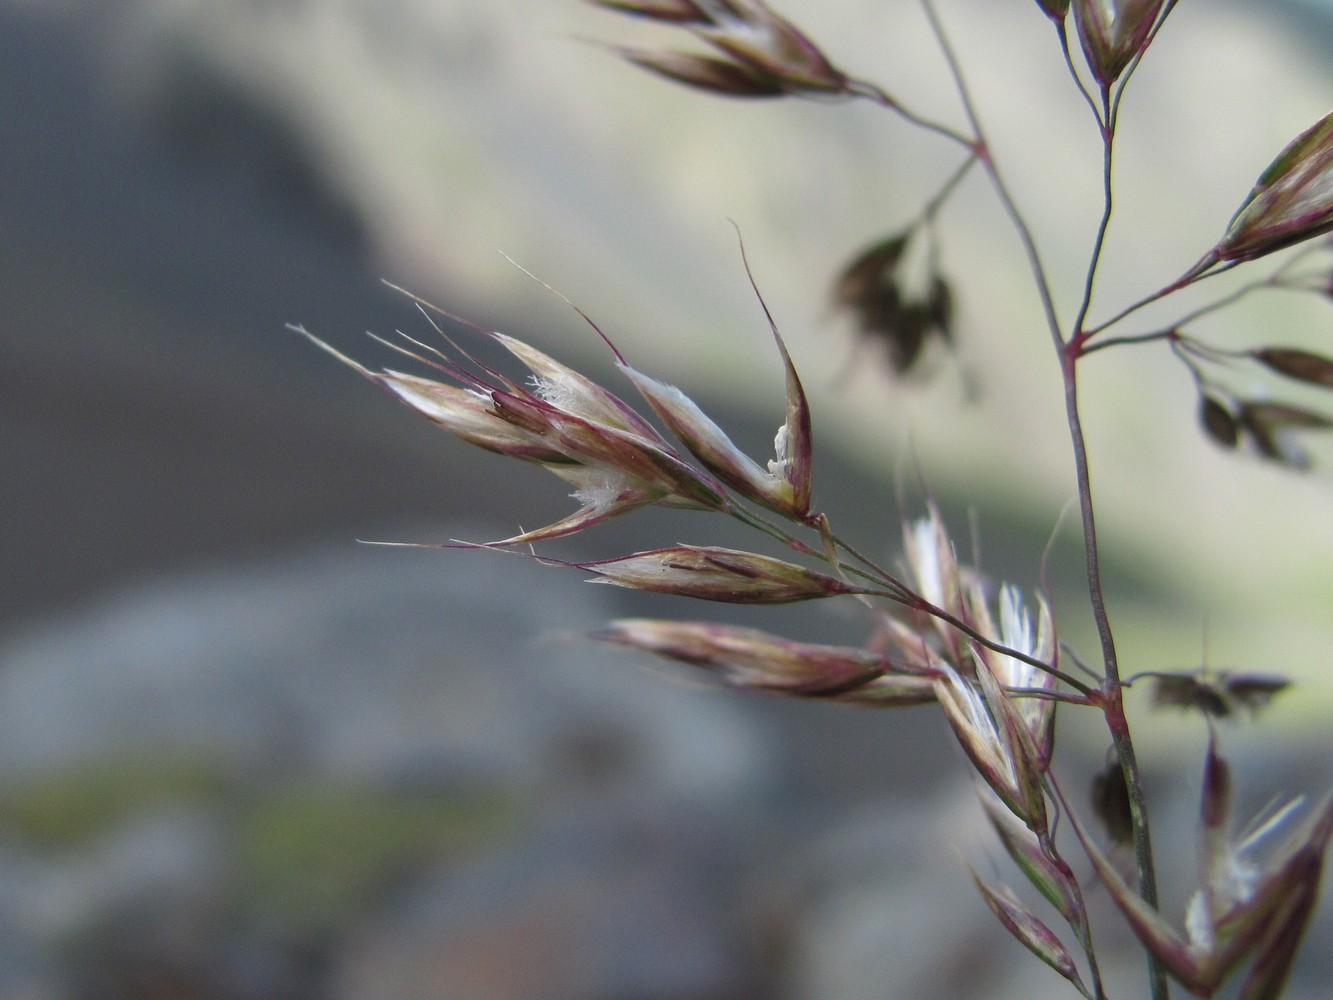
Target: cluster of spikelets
941,633
1243,909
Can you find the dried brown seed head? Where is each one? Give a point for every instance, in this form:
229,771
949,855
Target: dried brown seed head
1304,366
1218,422
1110,802
1113,32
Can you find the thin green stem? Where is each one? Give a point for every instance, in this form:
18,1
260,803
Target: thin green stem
1229,299
1138,338
919,603
932,207
1103,224
1113,705
884,575
1273,281
1091,552
1062,29
753,520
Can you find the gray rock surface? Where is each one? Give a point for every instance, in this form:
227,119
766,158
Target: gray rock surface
630,803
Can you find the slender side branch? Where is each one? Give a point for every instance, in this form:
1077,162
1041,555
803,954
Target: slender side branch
1203,269
1099,241
863,88
1062,29
900,593
982,150
932,207
1137,338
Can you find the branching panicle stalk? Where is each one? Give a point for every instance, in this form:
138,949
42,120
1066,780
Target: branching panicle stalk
1112,701
942,633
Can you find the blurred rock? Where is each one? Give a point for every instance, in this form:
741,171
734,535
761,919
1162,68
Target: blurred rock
600,904
374,665
324,692
886,899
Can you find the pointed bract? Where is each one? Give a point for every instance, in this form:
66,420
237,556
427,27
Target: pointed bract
1055,884
761,53
758,37
675,11
468,415
562,386
1242,909
718,76
989,743
602,493
795,444
610,449
1291,202
1304,366
1248,902
1034,935
1036,713
1218,422
715,451
749,658
564,422
931,560
1113,32
716,574
1277,952
1149,926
